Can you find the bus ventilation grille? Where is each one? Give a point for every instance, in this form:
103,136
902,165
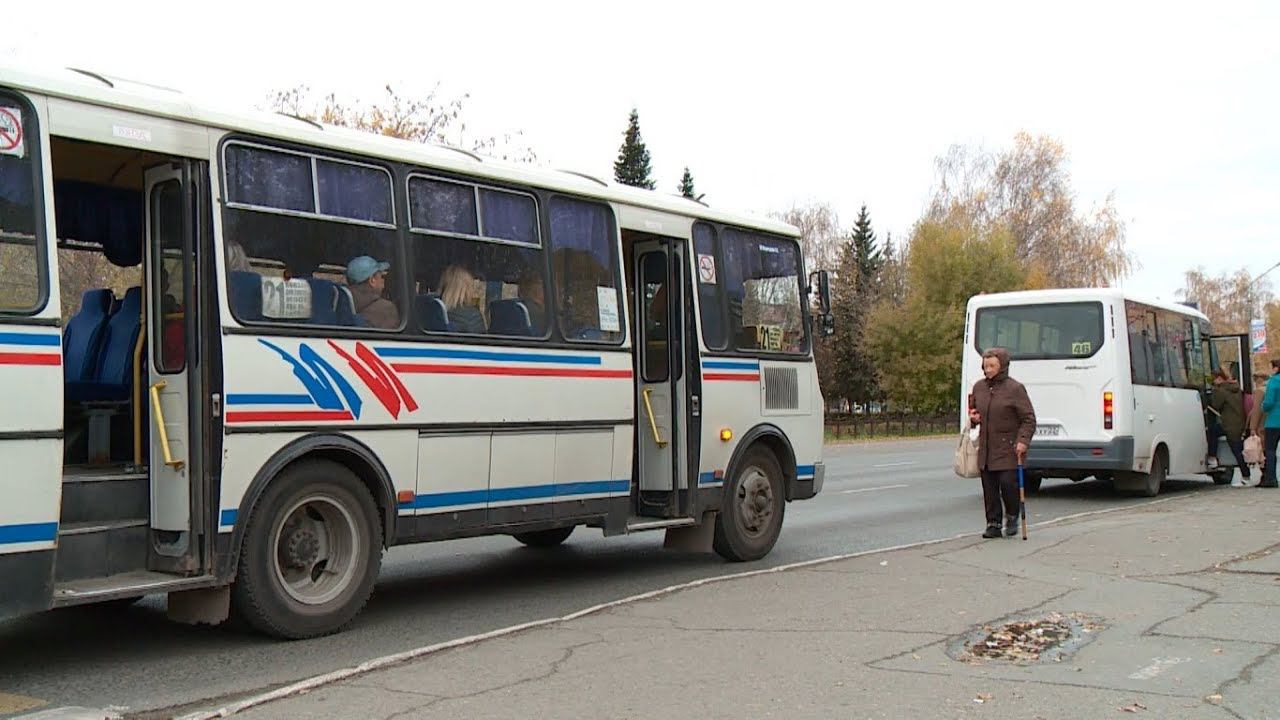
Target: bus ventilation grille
781,388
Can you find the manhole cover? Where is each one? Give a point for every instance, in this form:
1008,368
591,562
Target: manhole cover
1046,638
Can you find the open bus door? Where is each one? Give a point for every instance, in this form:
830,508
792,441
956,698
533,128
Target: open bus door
662,428
174,210
1229,353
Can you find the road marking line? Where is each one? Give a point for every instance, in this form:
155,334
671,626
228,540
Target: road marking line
862,490
895,464
308,684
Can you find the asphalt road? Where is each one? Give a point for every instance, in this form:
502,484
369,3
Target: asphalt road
876,495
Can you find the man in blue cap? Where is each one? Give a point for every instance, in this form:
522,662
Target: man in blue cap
367,279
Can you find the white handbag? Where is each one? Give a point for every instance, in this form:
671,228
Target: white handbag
1253,450
966,463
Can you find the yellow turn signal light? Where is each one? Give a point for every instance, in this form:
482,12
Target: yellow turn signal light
726,434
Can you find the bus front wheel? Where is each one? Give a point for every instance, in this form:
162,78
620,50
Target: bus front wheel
750,517
312,548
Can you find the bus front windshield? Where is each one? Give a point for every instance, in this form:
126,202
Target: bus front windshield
1058,331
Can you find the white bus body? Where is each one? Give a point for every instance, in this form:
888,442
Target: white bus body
1117,382
235,425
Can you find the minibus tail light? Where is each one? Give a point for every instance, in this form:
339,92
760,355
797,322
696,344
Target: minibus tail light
1108,410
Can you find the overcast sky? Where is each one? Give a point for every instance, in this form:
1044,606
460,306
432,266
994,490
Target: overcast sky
1174,107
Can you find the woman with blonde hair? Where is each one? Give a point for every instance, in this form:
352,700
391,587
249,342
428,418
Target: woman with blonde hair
458,292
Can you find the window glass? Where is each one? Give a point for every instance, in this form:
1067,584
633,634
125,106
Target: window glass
170,280
294,270
655,316
270,179
354,191
1139,345
476,287
710,287
584,267
762,282
1174,335
443,206
508,216
1042,332
21,273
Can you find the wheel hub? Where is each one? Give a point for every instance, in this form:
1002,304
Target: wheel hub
302,548
755,501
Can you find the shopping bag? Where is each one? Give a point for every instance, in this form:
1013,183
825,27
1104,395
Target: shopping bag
966,462
1253,450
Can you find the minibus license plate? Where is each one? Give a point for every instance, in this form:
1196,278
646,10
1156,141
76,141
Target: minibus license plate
1048,430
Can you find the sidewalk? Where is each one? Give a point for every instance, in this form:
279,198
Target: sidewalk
1175,605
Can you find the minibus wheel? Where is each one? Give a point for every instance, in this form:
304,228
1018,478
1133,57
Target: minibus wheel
312,548
1156,476
750,516
545,538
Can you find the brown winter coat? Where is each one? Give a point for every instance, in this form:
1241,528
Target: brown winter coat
1007,418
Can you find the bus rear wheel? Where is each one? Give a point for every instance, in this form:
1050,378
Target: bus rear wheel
312,548
750,517
545,538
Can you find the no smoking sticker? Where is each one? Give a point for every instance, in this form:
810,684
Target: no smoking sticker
707,269
11,136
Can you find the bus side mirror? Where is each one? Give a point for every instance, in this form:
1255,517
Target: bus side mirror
820,282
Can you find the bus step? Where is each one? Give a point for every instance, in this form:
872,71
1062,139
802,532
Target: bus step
660,524
94,549
104,496
135,583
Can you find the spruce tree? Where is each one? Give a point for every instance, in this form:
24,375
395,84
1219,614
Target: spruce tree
632,165
856,290
868,256
686,185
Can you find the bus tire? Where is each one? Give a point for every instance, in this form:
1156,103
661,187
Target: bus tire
750,518
312,549
1158,473
1031,482
544,538
1223,476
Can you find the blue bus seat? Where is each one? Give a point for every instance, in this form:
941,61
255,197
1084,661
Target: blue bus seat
509,317
244,293
83,337
433,316
324,301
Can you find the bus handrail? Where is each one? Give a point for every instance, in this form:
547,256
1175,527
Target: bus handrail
653,424
164,434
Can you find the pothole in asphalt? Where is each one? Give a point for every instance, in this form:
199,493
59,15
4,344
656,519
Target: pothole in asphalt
1024,641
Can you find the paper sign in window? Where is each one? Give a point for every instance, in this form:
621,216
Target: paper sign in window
607,302
286,299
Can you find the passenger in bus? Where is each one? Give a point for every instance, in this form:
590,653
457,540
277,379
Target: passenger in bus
1271,427
534,297
1001,410
459,291
367,279
237,258
1227,404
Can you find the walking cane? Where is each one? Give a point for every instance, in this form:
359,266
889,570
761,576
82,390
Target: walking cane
1022,501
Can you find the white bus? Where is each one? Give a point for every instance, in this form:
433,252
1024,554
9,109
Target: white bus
198,402
1118,383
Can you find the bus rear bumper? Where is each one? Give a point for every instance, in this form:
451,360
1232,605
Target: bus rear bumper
1117,454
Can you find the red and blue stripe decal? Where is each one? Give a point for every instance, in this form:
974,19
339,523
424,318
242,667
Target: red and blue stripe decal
739,370
329,396
450,361
30,349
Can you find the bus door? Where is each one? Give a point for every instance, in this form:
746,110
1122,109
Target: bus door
175,197
1229,353
661,422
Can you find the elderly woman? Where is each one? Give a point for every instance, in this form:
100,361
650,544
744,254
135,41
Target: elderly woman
1001,409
